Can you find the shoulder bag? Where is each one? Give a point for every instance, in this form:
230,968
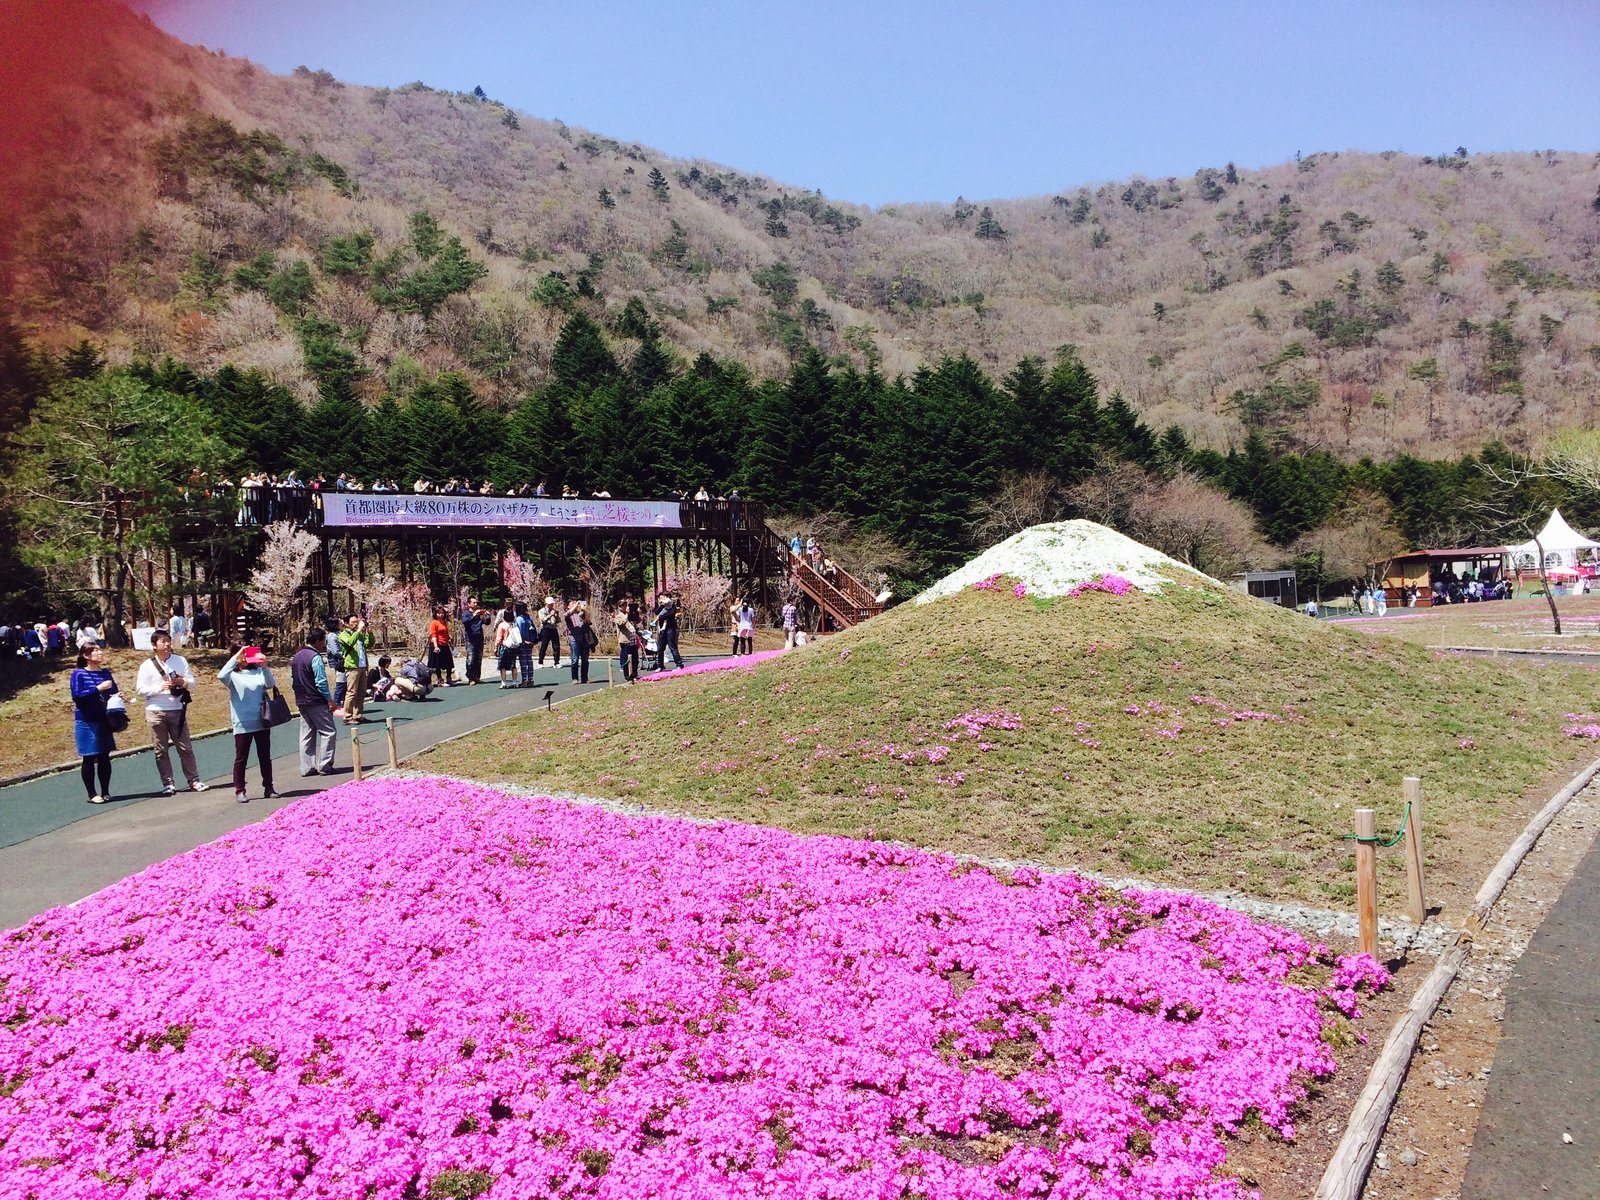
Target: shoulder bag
116,713
275,709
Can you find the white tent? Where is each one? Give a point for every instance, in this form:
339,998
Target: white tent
1560,543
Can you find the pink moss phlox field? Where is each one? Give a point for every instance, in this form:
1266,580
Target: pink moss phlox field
416,987
1115,584
972,724
717,664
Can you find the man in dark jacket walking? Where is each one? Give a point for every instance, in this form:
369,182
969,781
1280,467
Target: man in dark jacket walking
308,677
667,627
472,626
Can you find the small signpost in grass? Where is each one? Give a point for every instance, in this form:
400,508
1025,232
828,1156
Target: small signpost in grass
1416,900
1367,879
1367,843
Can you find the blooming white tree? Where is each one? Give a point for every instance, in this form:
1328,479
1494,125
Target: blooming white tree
274,587
702,598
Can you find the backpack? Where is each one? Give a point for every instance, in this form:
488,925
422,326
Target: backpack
513,638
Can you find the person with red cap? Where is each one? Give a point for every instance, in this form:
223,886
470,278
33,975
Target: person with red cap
249,683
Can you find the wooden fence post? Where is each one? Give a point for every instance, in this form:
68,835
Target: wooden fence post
1416,895
355,754
1367,879
394,750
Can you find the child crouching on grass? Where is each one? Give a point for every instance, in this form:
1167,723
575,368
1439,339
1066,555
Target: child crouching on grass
383,684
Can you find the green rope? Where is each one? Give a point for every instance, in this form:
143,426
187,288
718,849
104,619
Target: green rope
1377,841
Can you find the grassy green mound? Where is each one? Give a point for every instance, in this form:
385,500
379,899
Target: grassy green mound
1195,737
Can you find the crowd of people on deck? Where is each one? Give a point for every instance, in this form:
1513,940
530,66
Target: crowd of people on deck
264,497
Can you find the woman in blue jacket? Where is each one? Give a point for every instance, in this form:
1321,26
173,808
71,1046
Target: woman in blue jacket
91,684
249,682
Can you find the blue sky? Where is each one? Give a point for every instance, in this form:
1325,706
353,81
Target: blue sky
898,101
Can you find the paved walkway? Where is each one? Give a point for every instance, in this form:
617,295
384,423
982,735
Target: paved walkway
56,848
1546,1079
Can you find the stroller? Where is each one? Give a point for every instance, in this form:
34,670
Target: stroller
650,651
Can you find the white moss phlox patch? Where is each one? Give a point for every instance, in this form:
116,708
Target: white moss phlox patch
1050,560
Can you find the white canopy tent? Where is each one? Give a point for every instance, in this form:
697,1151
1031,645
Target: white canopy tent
1560,543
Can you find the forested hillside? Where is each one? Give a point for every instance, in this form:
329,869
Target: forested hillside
1312,363
165,199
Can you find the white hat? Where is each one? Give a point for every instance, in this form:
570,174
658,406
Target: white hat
549,599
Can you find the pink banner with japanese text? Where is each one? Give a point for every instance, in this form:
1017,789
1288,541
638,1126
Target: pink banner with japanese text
366,509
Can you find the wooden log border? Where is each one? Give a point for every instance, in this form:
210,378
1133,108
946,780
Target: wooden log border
1346,1173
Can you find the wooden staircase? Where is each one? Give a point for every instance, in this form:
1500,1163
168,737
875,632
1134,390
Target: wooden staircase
764,554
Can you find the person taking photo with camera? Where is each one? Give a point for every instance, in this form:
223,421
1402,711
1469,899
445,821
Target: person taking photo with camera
164,682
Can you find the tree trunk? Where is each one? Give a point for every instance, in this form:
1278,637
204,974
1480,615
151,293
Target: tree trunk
1549,596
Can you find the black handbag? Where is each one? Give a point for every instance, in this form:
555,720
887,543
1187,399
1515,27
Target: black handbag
116,713
275,709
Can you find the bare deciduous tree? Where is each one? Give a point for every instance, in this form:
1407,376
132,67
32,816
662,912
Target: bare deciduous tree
1573,456
599,573
865,553
702,597
1359,543
1021,501
1196,524
396,611
1183,517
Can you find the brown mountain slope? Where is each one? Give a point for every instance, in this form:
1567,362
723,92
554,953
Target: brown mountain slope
1213,302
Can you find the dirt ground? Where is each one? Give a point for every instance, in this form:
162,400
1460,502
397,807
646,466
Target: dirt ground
1423,1155
1437,1112
1290,1170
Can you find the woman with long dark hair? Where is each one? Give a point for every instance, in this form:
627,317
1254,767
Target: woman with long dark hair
91,684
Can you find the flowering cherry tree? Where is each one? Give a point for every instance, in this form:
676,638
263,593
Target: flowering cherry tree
273,589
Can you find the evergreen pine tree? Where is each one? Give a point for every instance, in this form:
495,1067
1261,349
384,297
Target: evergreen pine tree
480,429
1173,450
651,367
808,397
82,361
764,466
261,419
1121,434
520,457
945,451
580,358
695,446
385,451
850,424
430,431
1067,424
333,434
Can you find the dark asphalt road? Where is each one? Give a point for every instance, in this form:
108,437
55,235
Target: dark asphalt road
1546,1079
